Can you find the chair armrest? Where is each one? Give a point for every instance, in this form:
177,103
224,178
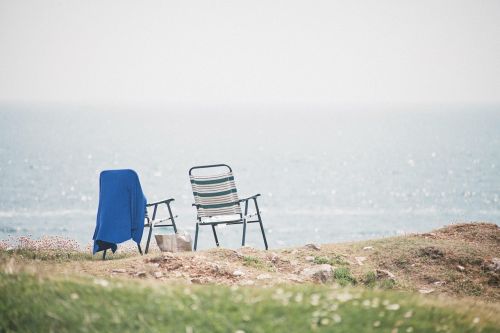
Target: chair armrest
249,198
167,201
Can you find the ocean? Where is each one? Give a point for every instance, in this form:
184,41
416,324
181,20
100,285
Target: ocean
324,175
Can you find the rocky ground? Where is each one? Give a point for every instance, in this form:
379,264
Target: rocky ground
459,260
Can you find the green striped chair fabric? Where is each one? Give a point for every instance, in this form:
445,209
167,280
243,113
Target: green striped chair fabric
215,195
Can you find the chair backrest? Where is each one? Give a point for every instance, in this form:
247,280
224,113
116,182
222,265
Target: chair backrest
215,195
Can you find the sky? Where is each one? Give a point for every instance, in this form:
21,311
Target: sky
201,52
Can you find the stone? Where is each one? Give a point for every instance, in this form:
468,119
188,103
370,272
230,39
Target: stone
158,274
294,278
431,252
360,260
425,291
274,258
195,281
321,273
311,246
238,273
492,265
368,248
384,274
460,268
140,274
247,283
119,270
264,277
309,258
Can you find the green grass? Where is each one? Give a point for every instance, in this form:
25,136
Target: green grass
343,276
370,279
251,261
31,304
257,263
335,260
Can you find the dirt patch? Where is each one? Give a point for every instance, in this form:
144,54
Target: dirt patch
431,252
469,232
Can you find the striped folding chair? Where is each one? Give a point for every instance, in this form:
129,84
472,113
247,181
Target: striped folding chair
217,202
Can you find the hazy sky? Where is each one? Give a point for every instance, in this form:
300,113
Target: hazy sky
245,52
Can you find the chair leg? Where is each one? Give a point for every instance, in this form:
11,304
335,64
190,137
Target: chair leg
215,236
139,247
263,234
104,255
244,223
172,217
196,236
260,222
149,238
244,232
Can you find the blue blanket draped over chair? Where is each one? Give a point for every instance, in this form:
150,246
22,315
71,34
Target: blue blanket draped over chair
122,206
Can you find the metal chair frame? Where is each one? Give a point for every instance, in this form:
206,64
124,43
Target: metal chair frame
243,219
152,223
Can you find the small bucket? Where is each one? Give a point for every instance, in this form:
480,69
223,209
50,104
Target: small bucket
178,242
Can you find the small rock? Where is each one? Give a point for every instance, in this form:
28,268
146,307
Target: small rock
431,252
368,248
118,270
492,265
158,274
460,268
247,283
238,273
311,246
165,256
195,280
383,274
215,268
154,264
439,283
425,291
264,277
274,257
294,251
360,260
294,278
321,273
309,258
140,274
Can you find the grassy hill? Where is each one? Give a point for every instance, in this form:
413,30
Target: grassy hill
443,281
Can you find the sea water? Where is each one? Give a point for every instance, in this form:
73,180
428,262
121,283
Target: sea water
325,175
